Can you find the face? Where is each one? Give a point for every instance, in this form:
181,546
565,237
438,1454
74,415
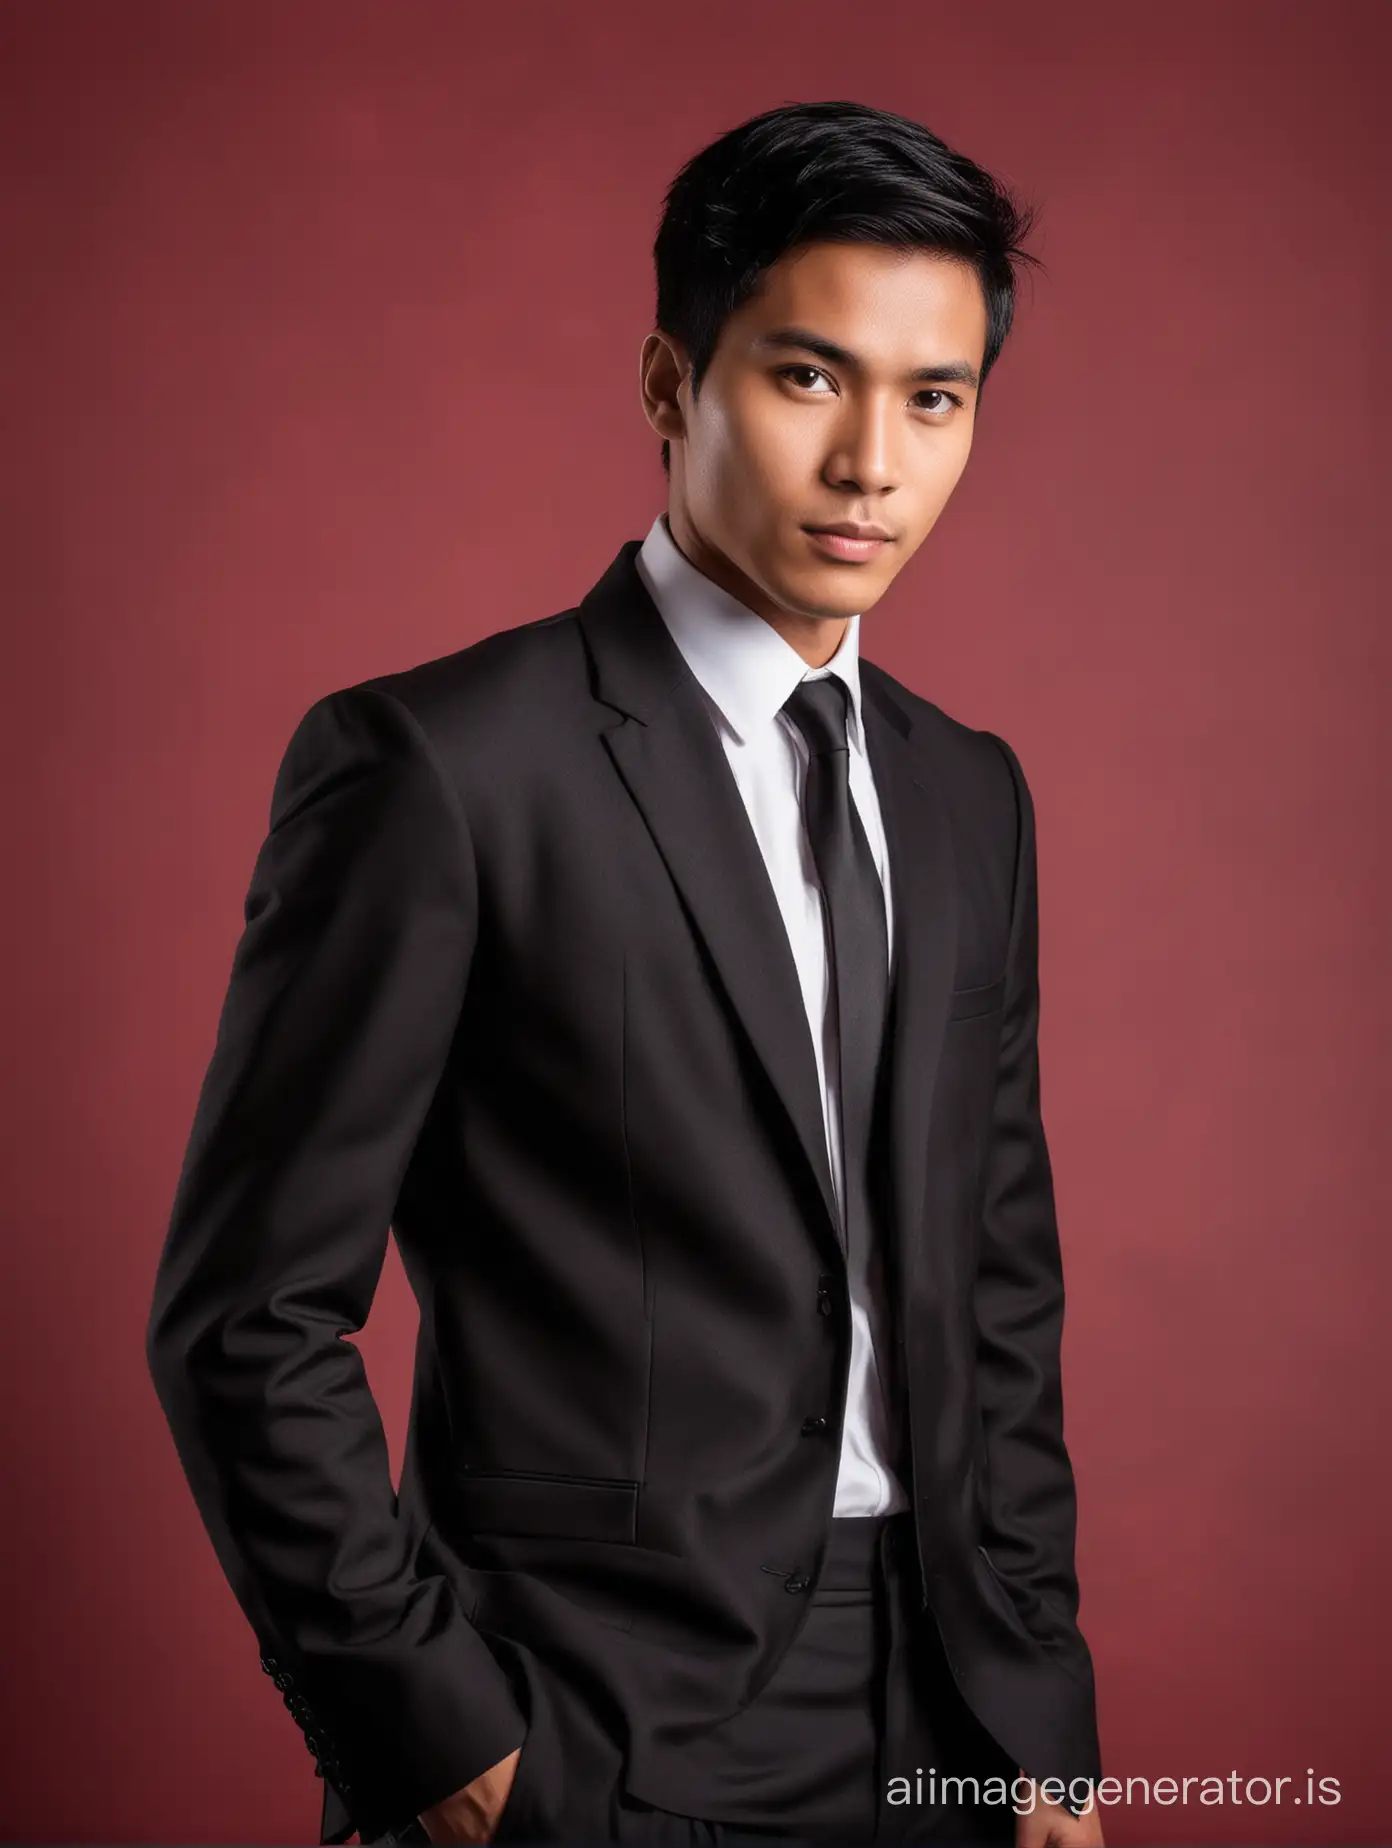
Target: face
841,396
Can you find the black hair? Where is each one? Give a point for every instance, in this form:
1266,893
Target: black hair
825,172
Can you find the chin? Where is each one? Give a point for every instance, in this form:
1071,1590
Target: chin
833,594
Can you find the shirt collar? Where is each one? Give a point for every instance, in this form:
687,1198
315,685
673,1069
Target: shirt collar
744,665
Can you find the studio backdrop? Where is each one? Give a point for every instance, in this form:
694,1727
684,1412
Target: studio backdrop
320,342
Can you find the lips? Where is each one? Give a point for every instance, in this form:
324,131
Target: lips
852,544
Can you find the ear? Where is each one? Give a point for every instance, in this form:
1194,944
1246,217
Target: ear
662,368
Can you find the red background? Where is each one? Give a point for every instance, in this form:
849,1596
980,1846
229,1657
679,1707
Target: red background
320,342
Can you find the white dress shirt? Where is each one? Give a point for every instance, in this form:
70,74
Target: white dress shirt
747,671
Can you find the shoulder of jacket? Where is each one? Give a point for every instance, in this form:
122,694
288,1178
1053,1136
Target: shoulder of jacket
488,688
979,755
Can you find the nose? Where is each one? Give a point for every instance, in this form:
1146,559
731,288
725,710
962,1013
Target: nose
864,456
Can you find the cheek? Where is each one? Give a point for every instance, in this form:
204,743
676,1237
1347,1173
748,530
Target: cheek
948,462
961,450
747,466
768,435
716,459
785,458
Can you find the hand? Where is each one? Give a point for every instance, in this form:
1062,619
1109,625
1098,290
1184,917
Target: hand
471,1814
1050,1825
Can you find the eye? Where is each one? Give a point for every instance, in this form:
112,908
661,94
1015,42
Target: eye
943,408
800,374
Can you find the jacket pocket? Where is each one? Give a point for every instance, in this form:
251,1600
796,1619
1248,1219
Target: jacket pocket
1056,1649
967,1003
516,1820
525,1502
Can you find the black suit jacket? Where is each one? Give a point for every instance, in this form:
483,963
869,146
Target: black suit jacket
513,982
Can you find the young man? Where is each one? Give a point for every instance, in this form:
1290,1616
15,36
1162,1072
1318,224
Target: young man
666,975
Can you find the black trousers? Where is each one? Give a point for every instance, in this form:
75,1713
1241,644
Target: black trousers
862,1710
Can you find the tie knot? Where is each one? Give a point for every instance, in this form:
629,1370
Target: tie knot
818,709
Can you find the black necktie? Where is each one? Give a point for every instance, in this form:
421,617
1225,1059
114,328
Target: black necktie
855,911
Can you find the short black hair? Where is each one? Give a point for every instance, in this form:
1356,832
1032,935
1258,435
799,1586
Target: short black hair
826,172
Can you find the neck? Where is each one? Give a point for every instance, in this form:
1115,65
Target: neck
815,638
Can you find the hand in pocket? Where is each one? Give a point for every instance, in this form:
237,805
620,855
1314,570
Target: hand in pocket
473,1813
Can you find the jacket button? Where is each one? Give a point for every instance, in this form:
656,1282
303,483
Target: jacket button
813,1427
798,1582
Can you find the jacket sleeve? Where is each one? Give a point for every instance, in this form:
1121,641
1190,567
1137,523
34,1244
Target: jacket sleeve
345,990
1031,1502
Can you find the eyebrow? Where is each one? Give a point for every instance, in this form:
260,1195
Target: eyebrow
954,371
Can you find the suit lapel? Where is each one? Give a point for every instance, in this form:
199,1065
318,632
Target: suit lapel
923,886
669,756
671,760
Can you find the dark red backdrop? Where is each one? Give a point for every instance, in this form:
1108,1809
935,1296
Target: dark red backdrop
320,338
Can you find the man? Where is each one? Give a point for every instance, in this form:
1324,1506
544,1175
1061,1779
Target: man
666,975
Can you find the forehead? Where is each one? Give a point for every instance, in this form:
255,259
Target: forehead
875,300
